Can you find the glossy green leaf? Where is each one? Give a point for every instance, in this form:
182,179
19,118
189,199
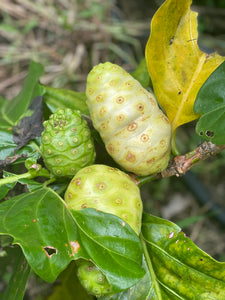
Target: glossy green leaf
15,108
141,74
7,144
178,268
16,287
55,98
104,235
40,223
210,103
51,237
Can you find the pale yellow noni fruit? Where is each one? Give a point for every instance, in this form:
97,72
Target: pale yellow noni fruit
109,190
134,129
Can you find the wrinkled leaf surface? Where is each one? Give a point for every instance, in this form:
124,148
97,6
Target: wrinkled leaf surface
178,268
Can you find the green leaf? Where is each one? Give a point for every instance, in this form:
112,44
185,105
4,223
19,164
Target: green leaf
15,108
40,223
64,98
103,235
210,102
50,238
141,74
16,287
178,268
7,144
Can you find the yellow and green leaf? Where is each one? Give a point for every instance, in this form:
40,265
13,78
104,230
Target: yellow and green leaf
177,67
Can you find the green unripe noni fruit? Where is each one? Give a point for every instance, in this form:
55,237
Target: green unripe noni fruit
66,143
92,279
107,189
135,131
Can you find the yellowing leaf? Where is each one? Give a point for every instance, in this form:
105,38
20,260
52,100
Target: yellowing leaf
177,66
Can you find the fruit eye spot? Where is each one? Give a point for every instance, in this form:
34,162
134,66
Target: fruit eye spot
112,82
101,186
60,143
162,143
90,91
118,201
58,160
84,205
133,126
75,140
144,138
151,161
124,216
110,148
102,111
130,157
103,126
120,100
128,83
89,146
99,98
58,172
120,117
140,107
74,151
126,186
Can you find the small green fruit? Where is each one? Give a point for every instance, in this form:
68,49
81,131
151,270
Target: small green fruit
107,189
134,129
92,279
66,143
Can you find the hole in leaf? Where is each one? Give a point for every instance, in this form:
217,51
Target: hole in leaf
49,251
209,133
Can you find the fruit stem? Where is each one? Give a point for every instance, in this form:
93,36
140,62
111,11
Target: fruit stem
14,178
143,180
175,150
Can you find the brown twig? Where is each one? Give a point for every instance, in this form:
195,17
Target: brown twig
182,163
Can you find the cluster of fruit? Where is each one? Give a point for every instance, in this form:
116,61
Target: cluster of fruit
136,134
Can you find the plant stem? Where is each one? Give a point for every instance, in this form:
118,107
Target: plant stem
174,149
13,178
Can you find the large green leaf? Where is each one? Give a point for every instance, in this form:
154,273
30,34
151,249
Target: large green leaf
210,103
103,235
15,108
40,223
178,268
51,237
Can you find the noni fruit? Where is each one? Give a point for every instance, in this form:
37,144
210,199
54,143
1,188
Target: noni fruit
134,129
66,143
106,189
92,279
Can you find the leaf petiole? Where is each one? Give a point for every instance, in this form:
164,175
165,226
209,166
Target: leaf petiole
175,150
